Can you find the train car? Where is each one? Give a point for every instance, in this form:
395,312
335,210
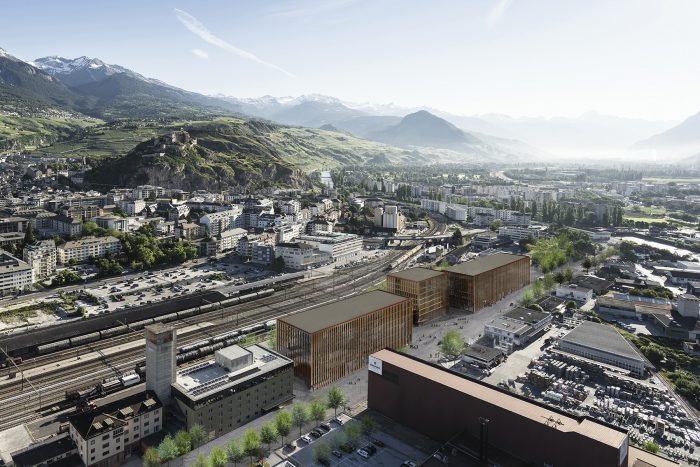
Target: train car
130,380
82,394
270,324
140,324
5,363
111,386
114,331
53,347
85,338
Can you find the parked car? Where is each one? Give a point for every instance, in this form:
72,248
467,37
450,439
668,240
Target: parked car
363,453
338,454
378,442
306,439
325,427
316,434
338,421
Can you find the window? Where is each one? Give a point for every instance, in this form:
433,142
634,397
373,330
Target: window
105,445
92,451
105,437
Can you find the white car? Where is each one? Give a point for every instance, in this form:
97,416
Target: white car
363,453
306,439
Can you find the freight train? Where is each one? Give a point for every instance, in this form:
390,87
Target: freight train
138,325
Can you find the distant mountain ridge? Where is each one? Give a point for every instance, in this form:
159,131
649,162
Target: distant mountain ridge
683,138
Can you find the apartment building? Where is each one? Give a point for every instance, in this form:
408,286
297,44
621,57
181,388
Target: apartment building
15,274
92,247
107,435
300,255
112,222
42,258
217,222
336,244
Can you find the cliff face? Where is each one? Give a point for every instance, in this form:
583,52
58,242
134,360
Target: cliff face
212,164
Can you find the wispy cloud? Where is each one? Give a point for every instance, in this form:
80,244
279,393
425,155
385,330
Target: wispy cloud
497,11
200,53
304,9
198,29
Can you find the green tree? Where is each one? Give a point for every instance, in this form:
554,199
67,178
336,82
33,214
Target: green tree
353,433
559,277
217,457
369,425
167,449
201,461
251,443
29,235
317,411
278,264
457,238
300,415
197,435
183,442
569,274
452,344
268,434
650,446
321,453
587,263
338,439
336,398
151,458
234,451
283,423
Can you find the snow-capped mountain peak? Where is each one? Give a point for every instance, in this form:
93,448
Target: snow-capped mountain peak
81,70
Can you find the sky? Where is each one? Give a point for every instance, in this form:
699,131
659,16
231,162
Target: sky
631,58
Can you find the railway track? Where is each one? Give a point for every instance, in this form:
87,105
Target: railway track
22,403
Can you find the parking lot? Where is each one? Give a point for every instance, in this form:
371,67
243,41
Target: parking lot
389,450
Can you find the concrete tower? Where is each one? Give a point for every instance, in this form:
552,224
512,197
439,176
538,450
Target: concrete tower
161,347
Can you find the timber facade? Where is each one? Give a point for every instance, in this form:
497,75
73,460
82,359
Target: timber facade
481,282
328,342
426,288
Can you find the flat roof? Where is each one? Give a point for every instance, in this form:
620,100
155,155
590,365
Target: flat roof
537,413
204,379
601,337
416,274
526,315
484,263
324,316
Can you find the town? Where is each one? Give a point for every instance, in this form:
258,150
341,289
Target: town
236,322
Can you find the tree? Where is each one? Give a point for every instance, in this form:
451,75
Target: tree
650,446
369,425
452,344
183,442
283,423
353,432
338,439
457,238
317,411
268,434
587,263
559,277
569,274
335,399
300,415
201,461
151,458
197,435
234,451
251,443
217,457
29,235
278,264
321,453
167,449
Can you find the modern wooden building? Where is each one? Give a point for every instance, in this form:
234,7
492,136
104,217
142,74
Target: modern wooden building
330,341
425,287
483,281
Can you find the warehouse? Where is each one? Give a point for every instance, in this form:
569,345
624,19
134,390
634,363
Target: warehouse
427,289
604,344
485,280
238,386
487,422
330,341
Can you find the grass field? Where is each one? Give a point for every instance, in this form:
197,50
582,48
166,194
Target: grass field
33,132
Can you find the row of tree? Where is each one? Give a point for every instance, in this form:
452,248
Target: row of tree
250,445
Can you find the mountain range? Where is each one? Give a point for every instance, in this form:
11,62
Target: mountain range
90,87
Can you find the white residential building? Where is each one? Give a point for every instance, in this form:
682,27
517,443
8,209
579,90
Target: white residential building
15,274
42,259
574,292
92,247
148,191
217,222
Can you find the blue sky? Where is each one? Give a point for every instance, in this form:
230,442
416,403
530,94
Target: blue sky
635,58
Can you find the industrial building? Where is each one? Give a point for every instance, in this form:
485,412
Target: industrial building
517,327
109,434
336,244
631,306
330,341
487,425
603,344
425,287
239,385
483,281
